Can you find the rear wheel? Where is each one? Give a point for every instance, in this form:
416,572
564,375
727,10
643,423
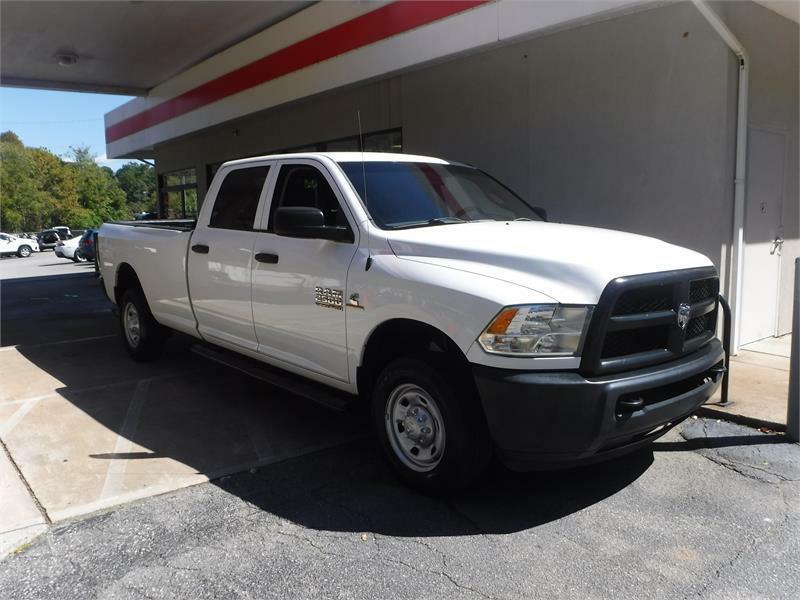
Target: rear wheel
142,335
78,257
429,424
24,251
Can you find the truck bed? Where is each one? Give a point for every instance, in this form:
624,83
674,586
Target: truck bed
174,224
156,251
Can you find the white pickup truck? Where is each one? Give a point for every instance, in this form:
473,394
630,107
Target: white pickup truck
468,323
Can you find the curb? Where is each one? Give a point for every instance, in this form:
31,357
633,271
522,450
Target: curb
705,411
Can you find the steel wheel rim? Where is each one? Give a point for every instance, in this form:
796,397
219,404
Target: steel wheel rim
131,325
415,427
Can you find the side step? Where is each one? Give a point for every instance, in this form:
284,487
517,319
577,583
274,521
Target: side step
300,386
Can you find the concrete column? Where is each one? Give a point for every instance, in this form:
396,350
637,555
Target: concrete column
793,412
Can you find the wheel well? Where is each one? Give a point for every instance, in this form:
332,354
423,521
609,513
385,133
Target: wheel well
126,279
400,337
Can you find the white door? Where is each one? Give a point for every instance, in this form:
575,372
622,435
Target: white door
298,303
763,235
221,257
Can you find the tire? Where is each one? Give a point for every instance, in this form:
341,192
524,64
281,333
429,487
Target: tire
78,257
425,391
24,251
142,335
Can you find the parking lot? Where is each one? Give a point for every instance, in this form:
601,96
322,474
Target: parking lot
184,478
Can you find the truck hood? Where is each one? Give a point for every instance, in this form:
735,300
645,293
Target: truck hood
571,264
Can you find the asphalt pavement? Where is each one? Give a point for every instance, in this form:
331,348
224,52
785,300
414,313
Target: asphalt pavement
711,511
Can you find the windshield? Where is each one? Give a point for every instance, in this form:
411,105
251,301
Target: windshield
417,194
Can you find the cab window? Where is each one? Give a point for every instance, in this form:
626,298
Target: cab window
237,200
304,185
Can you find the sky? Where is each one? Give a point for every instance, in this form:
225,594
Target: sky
58,120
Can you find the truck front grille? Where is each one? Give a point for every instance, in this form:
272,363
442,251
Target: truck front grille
623,343
636,322
649,299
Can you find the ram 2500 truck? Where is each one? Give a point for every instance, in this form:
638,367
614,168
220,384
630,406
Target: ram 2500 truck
427,288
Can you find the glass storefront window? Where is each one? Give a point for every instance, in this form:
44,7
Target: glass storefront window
184,177
386,141
178,194
180,205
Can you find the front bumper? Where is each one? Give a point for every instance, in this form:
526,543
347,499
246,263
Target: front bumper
542,420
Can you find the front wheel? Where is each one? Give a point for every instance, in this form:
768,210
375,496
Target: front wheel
429,424
142,335
24,251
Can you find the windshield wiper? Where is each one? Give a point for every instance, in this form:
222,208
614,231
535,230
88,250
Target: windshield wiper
430,222
445,220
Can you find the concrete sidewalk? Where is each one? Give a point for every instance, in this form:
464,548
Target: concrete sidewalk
759,384
20,519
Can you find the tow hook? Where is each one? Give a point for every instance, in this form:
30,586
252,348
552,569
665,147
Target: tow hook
629,405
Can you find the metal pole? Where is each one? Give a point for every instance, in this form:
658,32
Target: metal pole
793,410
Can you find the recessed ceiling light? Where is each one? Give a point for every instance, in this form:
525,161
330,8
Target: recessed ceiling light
66,59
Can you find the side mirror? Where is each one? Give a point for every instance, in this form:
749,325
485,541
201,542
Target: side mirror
308,222
540,212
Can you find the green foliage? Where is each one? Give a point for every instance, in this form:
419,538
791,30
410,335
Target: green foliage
97,189
11,138
39,190
138,181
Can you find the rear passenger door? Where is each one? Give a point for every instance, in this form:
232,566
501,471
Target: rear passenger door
221,256
298,295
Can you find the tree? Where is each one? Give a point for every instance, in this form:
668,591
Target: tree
59,185
10,138
98,190
39,190
138,181
19,196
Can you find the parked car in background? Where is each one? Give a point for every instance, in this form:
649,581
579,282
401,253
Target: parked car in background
69,249
50,237
12,245
86,245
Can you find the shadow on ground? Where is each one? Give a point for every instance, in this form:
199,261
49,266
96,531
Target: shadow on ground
224,424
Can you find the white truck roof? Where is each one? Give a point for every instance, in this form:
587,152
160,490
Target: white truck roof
348,157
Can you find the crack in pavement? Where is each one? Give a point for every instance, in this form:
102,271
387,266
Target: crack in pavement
388,562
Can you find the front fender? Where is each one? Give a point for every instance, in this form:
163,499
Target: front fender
458,303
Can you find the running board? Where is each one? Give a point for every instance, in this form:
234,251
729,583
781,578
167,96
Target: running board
300,386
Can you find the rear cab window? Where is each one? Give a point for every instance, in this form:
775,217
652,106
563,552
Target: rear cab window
236,203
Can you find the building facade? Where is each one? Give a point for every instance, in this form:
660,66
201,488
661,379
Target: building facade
615,114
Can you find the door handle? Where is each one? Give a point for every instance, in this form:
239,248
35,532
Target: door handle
200,248
265,257
777,245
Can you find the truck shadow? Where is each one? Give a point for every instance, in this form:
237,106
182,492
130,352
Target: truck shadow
276,452
350,489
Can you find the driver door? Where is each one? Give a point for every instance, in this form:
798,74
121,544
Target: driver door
298,289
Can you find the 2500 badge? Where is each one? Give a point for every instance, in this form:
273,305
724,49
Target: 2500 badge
328,298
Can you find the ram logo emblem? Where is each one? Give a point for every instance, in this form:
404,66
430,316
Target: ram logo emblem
684,311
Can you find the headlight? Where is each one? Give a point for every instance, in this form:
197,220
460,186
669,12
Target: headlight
537,329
